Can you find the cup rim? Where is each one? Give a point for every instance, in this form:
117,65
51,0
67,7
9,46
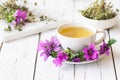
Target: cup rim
77,24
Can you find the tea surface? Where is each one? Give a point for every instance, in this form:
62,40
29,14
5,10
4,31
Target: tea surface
75,32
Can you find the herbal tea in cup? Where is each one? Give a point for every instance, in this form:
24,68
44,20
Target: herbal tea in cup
75,32
76,36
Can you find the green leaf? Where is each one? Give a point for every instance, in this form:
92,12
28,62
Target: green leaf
70,53
54,54
111,41
81,55
10,18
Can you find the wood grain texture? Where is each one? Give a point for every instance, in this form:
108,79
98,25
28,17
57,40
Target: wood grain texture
17,59
61,8
114,33
96,71
47,70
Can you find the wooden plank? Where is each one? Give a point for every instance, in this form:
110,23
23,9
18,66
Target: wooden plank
114,33
82,4
98,70
62,9
17,59
54,7
68,9
47,70
67,72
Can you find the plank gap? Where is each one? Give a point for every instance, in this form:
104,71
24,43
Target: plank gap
1,46
36,59
113,57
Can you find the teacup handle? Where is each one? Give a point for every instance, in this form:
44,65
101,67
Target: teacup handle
102,38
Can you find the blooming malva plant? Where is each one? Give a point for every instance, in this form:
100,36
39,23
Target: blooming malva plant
52,48
16,15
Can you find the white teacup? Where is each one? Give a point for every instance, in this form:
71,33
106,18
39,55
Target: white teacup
78,43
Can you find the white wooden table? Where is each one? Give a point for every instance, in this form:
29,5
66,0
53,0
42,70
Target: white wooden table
19,59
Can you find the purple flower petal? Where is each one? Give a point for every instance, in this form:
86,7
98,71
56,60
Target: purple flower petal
57,62
87,57
20,16
23,15
42,54
60,58
45,58
85,50
55,44
13,23
17,13
94,56
48,46
90,53
107,52
91,46
104,49
76,60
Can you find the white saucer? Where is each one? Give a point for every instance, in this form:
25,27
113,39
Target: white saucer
85,62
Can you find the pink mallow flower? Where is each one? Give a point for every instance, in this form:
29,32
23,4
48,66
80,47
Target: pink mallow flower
90,53
46,47
104,49
62,56
19,16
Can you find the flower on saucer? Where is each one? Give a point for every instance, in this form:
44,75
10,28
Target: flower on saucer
62,56
104,49
76,59
90,53
52,48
